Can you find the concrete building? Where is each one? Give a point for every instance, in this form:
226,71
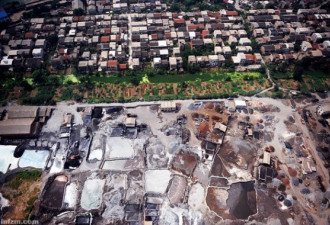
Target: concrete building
20,122
77,4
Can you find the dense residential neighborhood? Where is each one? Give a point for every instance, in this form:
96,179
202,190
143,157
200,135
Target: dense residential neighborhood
129,38
164,112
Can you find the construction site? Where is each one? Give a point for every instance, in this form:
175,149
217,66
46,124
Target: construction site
226,161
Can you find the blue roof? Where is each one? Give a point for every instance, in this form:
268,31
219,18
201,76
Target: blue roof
3,14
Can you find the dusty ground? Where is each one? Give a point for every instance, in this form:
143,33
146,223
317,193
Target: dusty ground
195,196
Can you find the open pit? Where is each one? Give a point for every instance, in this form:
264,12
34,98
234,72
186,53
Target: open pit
236,202
71,195
177,189
91,197
156,181
34,158
119,148
53,195
7,159
185,163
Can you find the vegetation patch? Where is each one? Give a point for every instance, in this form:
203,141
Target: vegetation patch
70,79
22,189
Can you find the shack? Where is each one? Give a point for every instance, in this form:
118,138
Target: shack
220,127
266,158
231,106
130,122
240,104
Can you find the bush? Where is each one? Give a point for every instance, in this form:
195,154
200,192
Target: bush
39,99
135,81
297,73
78,12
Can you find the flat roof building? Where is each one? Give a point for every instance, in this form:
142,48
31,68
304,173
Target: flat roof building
20,123
167,106
239,104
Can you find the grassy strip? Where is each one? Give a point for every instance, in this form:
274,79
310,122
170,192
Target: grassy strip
16,180
177,78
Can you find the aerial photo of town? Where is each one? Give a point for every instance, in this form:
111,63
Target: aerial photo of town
165,112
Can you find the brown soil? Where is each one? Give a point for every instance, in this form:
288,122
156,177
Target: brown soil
209,105
285,181
292,172
19,198
204,129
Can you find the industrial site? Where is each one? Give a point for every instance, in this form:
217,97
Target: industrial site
227,161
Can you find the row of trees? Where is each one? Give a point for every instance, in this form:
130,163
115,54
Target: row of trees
189,5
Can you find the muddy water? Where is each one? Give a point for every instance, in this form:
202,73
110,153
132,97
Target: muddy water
242,200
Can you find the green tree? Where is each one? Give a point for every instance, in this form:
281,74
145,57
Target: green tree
297,46
270,6
53,80
52,40
175,7
78,12
40,76
297,73
259,6
262,69
135,81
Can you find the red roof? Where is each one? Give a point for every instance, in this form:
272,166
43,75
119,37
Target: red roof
122,66
192,27
213,14
117,37
154,36
232,13
105,39
67,57
201,26
29,35
112,63
168,35
215,26
249,57
123,28
61,51
75,19
157,15
316,46
107,30
204,33
174,15
180,21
